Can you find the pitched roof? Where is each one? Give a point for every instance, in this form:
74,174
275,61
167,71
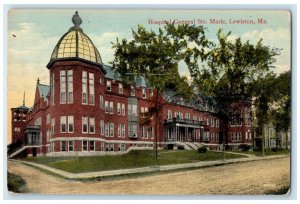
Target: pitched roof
114,75
43,90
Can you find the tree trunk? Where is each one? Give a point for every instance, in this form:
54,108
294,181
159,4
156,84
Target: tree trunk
156,126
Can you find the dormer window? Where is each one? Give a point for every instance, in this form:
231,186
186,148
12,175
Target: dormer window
144,93
132,91
108,85
120,88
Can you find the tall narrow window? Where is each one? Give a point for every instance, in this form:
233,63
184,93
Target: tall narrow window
119,108
144,93
63,146
119,130
70,86
52,125
111,107
92,145
134,109
134,130
52,88
108,85
132,91
101,102
123,109
84,87
71,146
169,115
120,88
111,130
62,86
143,131
106,107
143,112
102,127
106,129
91,88
123,130
92,124
84,124
62,124
70,124
84,145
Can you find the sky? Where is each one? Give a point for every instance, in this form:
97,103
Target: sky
33,33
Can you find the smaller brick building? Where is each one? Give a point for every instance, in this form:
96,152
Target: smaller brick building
88,110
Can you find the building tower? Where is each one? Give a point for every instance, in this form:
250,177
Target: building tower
76,78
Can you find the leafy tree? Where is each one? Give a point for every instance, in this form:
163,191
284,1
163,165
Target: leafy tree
155,56
232,71
281,112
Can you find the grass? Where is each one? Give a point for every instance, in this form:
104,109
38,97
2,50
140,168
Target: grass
15,183
268,152
134,159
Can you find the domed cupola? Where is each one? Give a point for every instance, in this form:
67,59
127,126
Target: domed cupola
76,45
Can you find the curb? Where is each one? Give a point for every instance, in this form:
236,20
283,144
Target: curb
150,169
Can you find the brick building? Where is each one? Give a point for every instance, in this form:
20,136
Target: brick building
87,110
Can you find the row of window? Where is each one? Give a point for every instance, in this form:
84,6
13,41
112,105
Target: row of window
88,87
106,129
17,129
211,136
237,137
213,122
236,118
121,90
88,146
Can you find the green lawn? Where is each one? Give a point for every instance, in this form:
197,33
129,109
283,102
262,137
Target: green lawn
133,159
267,152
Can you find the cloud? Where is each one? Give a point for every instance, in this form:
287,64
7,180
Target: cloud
278,38
27,43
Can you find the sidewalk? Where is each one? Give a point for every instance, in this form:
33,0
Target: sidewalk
121,172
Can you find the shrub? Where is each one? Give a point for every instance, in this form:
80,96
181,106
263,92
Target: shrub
15,183
275,149
256,149
180,147
202,149
244,147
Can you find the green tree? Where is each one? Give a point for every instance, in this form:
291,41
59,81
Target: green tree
231,73
156,57
281,111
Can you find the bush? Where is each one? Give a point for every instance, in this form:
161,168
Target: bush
202,149
15,183
244,147
256,149
180,147
275,149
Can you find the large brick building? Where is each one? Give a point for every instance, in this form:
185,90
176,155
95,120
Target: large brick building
87,110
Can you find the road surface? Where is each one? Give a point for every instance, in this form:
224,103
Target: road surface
250,178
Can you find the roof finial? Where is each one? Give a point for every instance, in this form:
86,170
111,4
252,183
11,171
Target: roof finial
24,99
38,81
76,19
77,22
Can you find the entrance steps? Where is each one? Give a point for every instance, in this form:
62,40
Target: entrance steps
189,145
17,152
192,145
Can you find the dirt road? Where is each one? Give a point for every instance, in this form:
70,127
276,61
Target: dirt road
256,177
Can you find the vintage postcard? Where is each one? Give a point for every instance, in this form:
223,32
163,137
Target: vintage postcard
149,102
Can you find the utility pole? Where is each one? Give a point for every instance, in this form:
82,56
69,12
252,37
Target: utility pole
263,142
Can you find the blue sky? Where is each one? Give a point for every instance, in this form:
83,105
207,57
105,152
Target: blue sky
38,30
